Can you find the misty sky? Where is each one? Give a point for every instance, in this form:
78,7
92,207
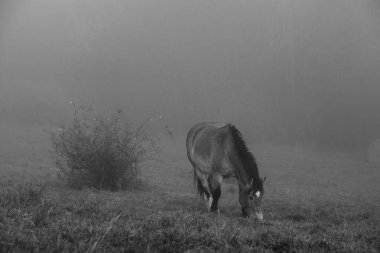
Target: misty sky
281,70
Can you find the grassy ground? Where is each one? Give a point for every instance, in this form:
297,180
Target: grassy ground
314,202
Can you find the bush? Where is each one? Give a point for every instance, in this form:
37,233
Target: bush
99,150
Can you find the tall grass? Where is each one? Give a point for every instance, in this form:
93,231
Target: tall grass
21,195
88,221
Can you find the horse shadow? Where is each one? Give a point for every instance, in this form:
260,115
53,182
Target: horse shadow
187,203
194,204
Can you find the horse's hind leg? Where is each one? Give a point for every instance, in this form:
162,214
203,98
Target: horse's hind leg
215,185
204,186
215,198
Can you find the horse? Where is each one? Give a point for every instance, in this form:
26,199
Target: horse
217,151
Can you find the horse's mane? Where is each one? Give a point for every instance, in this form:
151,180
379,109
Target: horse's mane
245,155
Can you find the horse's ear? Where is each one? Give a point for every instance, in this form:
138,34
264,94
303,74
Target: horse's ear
263,179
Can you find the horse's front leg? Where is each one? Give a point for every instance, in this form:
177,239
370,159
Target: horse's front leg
244,202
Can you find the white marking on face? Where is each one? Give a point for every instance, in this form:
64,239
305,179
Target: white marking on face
258,194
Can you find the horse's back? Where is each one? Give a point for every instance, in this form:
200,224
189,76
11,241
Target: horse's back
202,129
203,141
205,125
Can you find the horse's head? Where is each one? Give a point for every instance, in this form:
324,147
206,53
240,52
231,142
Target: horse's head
255,191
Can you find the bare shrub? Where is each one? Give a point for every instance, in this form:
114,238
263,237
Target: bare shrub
98,150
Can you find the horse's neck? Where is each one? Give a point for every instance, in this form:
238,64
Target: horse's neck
242,173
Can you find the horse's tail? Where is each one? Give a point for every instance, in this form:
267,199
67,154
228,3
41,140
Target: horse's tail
198,184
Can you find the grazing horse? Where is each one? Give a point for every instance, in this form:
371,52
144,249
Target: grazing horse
217,151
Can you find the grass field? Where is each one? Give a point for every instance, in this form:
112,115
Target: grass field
314,202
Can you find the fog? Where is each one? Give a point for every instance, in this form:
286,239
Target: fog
283,71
